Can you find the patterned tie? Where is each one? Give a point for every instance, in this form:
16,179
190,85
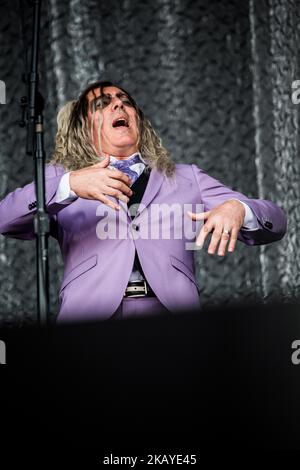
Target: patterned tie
133,166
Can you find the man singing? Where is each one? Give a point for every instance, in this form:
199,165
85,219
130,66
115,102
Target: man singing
108,170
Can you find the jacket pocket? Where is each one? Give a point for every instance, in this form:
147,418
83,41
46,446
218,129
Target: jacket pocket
79,270
182,267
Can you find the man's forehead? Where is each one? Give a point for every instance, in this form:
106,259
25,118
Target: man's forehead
111,90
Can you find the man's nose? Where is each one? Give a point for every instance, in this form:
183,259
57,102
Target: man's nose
117,103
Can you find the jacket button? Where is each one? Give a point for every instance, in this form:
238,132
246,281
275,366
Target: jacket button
30,207
135,227
269,225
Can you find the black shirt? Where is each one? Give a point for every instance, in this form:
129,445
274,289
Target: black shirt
138,188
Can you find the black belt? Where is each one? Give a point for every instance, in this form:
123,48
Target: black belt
138,289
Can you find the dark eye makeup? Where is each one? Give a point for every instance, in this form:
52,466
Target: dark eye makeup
105,99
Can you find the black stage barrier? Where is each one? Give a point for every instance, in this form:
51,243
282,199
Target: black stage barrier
216,383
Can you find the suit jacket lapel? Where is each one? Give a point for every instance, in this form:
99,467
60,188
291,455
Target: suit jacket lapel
155,181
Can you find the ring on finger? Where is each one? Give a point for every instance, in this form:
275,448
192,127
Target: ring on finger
226,231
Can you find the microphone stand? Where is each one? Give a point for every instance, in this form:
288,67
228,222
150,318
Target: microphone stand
35,147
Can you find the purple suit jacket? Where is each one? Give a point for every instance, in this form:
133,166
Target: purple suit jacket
97,269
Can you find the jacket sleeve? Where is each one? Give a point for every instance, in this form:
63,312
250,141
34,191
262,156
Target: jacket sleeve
271,219
18,208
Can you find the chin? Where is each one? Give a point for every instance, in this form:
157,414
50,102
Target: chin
125,146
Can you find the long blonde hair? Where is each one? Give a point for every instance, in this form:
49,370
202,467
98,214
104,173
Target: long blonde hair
74,147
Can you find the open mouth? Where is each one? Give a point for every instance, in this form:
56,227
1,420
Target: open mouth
120,122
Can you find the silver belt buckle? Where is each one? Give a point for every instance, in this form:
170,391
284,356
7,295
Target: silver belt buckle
145,286
133,288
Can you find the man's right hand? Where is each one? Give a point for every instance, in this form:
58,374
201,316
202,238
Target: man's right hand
97,181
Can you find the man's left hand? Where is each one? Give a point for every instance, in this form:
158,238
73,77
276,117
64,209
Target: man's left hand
224,221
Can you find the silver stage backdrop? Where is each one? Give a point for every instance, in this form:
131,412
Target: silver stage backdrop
214,77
